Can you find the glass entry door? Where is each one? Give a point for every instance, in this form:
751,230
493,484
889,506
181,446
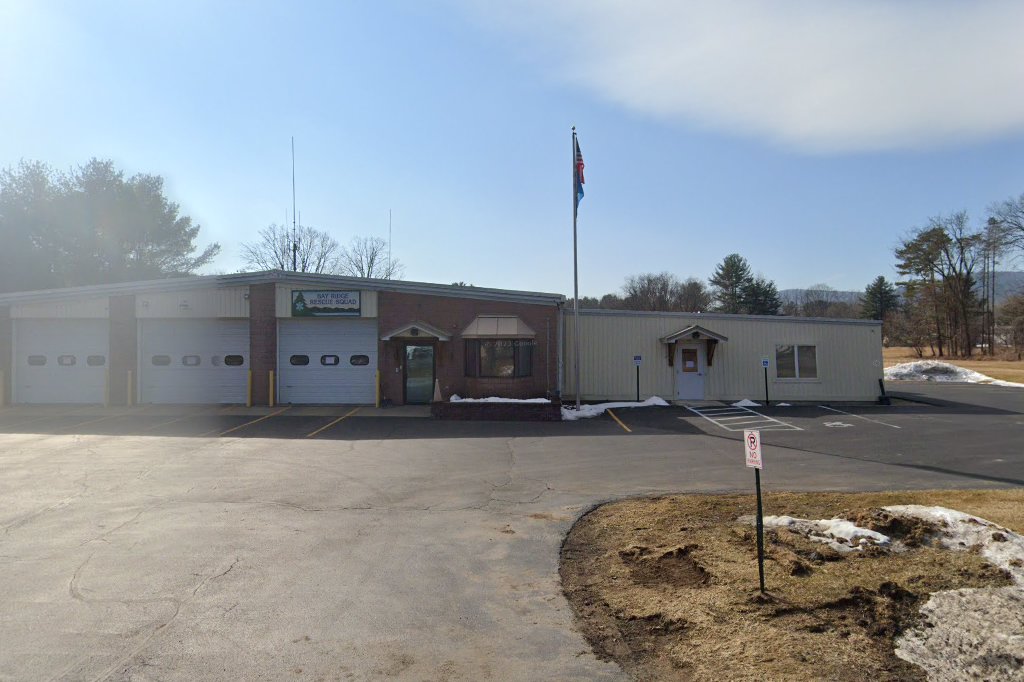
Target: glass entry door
419,373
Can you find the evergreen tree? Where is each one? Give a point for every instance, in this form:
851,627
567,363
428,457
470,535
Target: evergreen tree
761,297
879,300
728,282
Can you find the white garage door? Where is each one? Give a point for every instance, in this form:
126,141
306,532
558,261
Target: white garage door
328,361
193,361
60,361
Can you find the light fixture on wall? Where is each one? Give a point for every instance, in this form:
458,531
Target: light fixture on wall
414,332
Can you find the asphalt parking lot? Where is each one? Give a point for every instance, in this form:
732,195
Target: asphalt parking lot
221,543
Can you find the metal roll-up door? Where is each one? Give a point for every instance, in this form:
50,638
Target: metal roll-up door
327,361
200,361
60,360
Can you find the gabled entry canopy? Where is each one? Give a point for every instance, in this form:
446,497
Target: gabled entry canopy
417,330
693,333
498,327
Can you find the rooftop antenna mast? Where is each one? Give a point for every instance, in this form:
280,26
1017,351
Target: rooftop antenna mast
295,243
388,271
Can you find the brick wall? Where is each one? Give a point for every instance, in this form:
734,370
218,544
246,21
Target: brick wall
262,340
6,351
452,315
124,345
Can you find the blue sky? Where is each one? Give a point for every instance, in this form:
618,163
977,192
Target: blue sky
807,136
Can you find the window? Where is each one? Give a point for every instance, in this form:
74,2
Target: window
36,360
96,360
190,361
215,360
506,358
796,362
234,360
66,360
162,360
359,360
329,360
299,360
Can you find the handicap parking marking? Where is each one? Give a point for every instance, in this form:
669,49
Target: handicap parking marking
741,417
857,416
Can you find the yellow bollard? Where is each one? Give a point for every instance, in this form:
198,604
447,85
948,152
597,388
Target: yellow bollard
129,399
3,388
248,391
106,389
270,399
377,401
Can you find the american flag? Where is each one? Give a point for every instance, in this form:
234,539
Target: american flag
579,173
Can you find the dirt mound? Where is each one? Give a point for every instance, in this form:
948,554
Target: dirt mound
667,588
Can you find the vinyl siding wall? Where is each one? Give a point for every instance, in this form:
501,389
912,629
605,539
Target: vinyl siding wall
849,356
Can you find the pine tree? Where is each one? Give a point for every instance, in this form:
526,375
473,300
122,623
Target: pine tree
728,282
880,299
761,297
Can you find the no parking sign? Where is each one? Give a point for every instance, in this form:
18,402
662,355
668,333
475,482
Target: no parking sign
752,447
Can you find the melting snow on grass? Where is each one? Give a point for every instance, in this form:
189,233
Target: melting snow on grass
587,411
933,370
457,399
974,633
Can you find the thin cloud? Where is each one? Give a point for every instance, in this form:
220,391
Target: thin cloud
841,76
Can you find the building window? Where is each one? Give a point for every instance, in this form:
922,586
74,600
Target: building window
299,360
36,360
162,360
234,360
66,360
329,360
796,362
190,361
504,358
359,360
96,360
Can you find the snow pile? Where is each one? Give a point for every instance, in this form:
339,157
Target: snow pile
839,534
458,399
933,370
746,402
588,411
970,633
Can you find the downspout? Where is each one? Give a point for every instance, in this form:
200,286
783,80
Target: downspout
561,347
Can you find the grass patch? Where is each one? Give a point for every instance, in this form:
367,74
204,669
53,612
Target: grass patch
1006,367
667,587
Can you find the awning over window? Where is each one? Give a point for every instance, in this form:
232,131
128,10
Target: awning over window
497,327
416,330
693,333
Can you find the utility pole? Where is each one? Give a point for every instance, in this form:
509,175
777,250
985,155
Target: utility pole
295,243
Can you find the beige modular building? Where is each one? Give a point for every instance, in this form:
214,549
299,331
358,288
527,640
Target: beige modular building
709,356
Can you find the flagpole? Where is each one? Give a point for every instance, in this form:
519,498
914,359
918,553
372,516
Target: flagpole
575,273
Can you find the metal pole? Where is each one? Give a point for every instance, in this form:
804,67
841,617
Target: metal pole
638,383
575,275
295,246
760,529
766,403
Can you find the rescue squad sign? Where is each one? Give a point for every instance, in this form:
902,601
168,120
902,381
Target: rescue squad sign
752,446
325,304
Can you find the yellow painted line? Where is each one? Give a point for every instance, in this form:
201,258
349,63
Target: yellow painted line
90,421
176,420
324,428
254,421
612,414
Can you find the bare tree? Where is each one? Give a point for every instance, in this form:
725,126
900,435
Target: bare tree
369,257
316,251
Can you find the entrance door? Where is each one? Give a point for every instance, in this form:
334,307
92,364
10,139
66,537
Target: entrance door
419,373
690,366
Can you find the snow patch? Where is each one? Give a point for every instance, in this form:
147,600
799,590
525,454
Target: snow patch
783,405
588,411
933,370
458,399
839,534
746,402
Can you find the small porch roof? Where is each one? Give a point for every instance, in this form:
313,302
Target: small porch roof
498,327
694,332
417,330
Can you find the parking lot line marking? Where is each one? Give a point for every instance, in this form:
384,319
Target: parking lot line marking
175,420
254,421
748,419
612,415
857,416
324,428
90,421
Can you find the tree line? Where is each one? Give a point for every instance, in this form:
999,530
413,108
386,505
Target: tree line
94,224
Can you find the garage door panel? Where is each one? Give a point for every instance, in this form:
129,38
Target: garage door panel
193,361
327,361
60,361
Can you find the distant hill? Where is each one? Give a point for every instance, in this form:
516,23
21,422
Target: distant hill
794,295
1008,282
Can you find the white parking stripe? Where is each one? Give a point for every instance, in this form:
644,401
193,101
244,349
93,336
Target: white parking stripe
857,416
744,421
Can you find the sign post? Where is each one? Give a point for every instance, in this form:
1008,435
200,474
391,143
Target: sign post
636,361
764,365
752,449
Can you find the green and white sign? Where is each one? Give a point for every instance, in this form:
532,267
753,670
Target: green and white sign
325,304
